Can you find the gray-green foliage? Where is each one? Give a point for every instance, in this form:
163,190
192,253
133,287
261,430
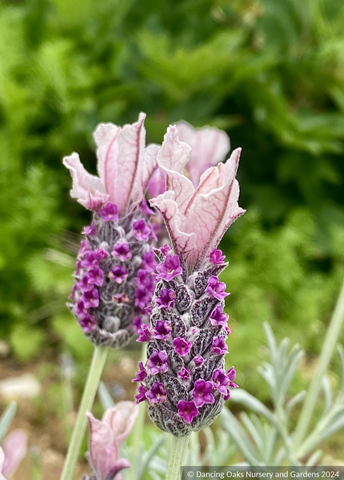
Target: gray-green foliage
264,436
270,73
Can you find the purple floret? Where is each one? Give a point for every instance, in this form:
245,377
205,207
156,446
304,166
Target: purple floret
148,261
218,317
109,212
166,299
170,268
85,284
216,288
202,393
141,396
187,410
157,363
87,323
157,394
141,374
121,250
145,334
162,330
118,274
96,276
219,346
216,257
90,230
91,298
221,381
184,374
181,346
141,230
198,360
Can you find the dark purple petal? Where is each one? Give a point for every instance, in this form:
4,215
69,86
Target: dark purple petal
187,410
141,230
170,268
142,298
162,330
181,346
202,393
85,284
91,298
231,376
109,212
219,346
90,259
145,280
218,317
87,323
121,250
157,363
137,324
145,334
198,360
166,299
216,257
157,394
90,230
96,276
184,374
148,261
216,289
165,249
118,274
80,309
141,396
221,381
141,374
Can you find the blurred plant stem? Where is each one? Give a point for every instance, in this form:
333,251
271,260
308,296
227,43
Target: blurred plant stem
178,452
324,360
93,379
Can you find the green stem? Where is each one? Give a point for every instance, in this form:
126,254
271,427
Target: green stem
90,390
324,360
177,457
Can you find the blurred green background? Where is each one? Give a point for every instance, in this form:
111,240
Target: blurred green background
269,72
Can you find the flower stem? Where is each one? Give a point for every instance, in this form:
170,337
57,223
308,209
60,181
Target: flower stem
324,360
177,457
94,374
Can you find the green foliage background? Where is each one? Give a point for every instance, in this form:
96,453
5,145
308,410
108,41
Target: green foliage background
269,72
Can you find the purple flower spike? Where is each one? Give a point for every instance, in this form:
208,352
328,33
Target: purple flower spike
145,334
217,317
141,230
141,396
141,374
184,374
96,276
221,381
202,393
121,250
166,299
149,262
181,346
90,230
85,284
216,289
87,323
91,298
157,362
118,274
157,394
198,360
216,257
187,410
162,330
170,268
219,346
109,212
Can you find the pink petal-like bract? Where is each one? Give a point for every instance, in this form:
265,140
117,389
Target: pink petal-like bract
106,436
196,218
2,459
209,147
124,167
15,448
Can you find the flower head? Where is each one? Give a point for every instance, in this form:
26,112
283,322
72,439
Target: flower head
169,268
106,436
157,363
157,394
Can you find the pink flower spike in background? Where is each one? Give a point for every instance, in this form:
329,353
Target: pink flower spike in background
15,449
106,437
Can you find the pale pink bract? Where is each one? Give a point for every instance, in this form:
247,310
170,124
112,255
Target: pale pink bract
15,448
196,218
2,459
106,436
124,166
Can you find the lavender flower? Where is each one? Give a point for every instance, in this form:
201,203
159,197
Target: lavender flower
114,276
106,436
189,364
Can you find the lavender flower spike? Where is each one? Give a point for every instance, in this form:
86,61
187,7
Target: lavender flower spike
114,276
188,364
106,436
